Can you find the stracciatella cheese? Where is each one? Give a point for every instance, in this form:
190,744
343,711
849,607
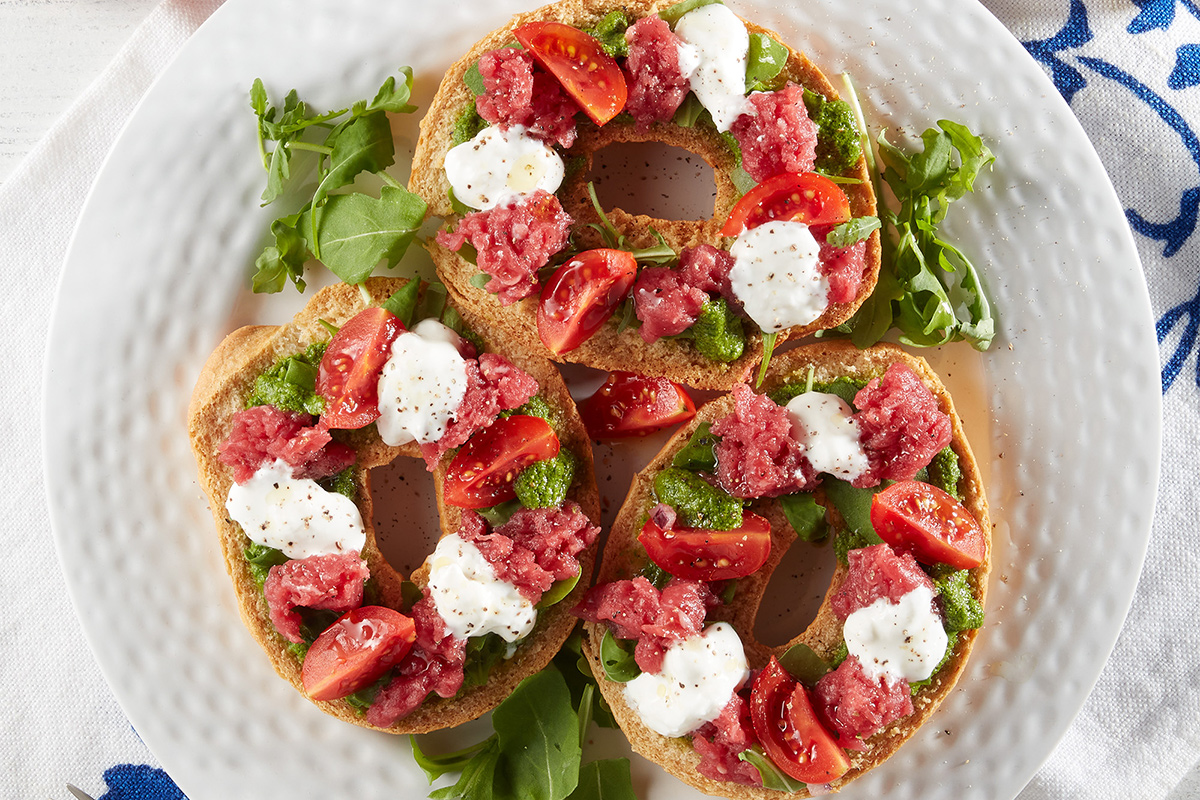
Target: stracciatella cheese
898,640
699,676
722,45
421,386
824,424
469,596
500,166
777,275
295,515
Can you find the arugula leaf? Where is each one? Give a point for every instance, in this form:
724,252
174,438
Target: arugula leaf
854,506
435,767
558,590
764,62
619,665
772,776
805,515
672,14
481,778
803,664
364,145
538,737
607,779
660,254
853,231
768,344
404,302
357,231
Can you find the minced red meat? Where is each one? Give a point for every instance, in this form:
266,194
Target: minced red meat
517,92
777,135
535,548
877,572
434,664
327,582
856,707
493,385
264,434
664,302
901,425
843,267
707,268
513,242
636,610
656,84
757,456
719,742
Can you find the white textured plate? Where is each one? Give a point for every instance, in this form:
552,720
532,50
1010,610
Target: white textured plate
1067,415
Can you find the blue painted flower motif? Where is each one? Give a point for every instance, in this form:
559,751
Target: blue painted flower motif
1187,67
1074,33
139,782
1156,14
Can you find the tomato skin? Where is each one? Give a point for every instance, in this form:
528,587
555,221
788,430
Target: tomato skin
483,471
629,404
809,198
698,554
581,295
348,376
782,714
588,74
353,652
929,523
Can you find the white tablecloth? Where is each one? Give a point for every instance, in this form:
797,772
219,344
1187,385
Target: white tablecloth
1131,72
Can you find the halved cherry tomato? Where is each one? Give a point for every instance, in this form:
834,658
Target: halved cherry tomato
930,524
581,295
483,472
353,652
697,554
587,73
809,198
629,404
348,377
783,718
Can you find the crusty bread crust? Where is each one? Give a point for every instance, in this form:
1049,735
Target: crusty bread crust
624,557
608,349
221,390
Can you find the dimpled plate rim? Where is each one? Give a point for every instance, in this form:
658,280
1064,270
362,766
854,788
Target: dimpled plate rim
159,263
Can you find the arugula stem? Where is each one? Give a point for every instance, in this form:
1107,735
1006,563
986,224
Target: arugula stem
315,148
389,180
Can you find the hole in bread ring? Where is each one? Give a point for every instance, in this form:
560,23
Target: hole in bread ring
750,599
281,510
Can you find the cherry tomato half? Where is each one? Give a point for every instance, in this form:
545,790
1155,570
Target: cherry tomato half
348,377
783,718
932,525
587,73
809,198
483,472
697,554
635,405
353,652
581,295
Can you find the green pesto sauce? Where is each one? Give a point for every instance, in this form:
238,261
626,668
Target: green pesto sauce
718,333
544,484
610,32
290,383
698,503
467,124
961,609
839,146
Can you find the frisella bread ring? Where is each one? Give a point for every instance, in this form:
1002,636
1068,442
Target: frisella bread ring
286,424
510,138
670,624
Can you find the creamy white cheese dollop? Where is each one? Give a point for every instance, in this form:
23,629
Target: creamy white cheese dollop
295,515
699,676
825,425
722,43
898,640
497,167
777,275
469,596
421,385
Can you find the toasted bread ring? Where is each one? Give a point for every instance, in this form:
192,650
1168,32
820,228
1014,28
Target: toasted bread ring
220,392
624,557
609,349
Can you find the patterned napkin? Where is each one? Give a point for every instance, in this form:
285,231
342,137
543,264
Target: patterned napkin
1130,71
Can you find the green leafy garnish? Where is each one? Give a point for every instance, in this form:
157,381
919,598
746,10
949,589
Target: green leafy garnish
768,345
698,503
483,653
928,289
805,515
404,302
261,558
349,232
500,513
606,779
658,577
617,658
698,454
854,506
558,590
672,14
853,231
764,63
772,776
660,255
803,664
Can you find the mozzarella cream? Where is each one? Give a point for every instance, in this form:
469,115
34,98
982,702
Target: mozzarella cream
469,596
295,515
898,640
723,46
421,385
699,676
497,167
777,274
824,424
